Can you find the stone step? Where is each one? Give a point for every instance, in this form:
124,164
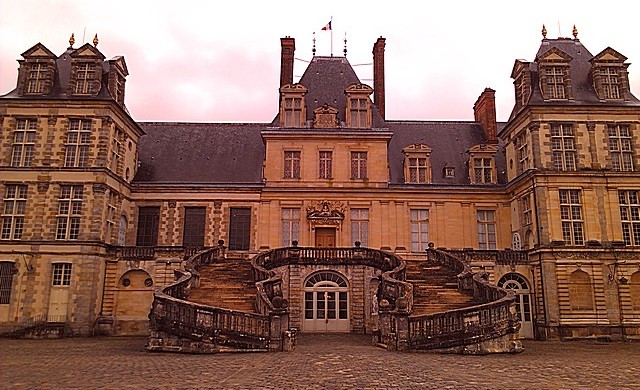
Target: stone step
226,284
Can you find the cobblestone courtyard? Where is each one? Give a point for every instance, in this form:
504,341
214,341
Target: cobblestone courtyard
319,362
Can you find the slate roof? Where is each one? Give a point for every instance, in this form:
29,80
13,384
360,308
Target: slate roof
326,78
449,140
214,153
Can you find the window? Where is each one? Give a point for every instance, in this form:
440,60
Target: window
326,162
449,172
116,147
111,216
24,139
78,139
563,147
148,222
483,170
419,229
620,147
7,270
360,226
524,204
85,79
522,152
239,229
290,226
630,216
61,274
293,112
554,76
292,165
36,78
580,291
486,229
418,169
194,226
358,112
522,90
571,215
69,212
610,83
15,201
358,165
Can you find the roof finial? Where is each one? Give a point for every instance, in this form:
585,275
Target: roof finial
95,41
314,44
575,32
345,44
544,32
72,40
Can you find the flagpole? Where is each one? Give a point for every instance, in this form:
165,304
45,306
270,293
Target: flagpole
331,28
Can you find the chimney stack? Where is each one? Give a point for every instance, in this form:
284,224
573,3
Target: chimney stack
288,45
484,111
378,75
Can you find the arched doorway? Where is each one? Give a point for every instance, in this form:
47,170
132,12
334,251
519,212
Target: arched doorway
326,303
518,283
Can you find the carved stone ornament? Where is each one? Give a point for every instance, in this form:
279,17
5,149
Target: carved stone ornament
326,213
172,204
326,117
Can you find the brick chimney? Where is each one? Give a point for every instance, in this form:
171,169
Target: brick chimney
484,111
378,75
288,45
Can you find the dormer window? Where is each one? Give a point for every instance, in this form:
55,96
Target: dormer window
417,165
292,107
85,79
482,166
449,172
554,76
555,80
35,76
38,74
358,106
522,83
610,83
609,74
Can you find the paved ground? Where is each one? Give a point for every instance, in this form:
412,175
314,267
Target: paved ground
319,362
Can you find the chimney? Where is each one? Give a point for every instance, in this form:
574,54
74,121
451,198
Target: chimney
378,75
288,45
484,111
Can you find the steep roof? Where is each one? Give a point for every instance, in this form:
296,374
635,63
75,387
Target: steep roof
214,153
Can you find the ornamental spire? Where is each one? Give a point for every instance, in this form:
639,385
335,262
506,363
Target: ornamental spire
575,32
544,32
72,40
95,41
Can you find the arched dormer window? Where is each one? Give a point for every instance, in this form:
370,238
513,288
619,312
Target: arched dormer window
609,75
482,164
293,112
553,70
417,165
358,113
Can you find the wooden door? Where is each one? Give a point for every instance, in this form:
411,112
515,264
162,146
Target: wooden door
325,237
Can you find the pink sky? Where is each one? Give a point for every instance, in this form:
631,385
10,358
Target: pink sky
208,61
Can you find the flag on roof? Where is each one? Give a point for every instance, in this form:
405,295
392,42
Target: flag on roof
327,27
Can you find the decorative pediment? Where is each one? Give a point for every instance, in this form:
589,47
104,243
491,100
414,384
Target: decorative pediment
38,51
87,51
518,67
554,55
417,148
483,148
294,88
325,116
326,212
608,55
359,89
119,63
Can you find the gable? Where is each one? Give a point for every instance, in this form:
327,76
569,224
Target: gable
87,51
38,50
554,55
120,64
608,55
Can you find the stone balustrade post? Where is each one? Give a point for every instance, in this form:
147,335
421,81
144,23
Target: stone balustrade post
402,331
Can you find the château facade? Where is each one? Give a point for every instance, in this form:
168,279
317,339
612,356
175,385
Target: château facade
98,210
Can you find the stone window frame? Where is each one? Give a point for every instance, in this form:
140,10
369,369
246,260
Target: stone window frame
39,76
417,164
621,147
524,206
482,164
521,76
239,228
610,75
291,164
14,207
487,229
572,216
110,220
116,150
325,164
290,221
358,108
359,164
69,214
148,226
610,83
194,226
419,229
629,201
293,112
553,82
7,270
24,142
359,225
521,146
61,274
564,154
86,78
78,143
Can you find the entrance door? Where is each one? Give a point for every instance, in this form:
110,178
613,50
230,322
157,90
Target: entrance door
59,295
326,303
325,237
519,285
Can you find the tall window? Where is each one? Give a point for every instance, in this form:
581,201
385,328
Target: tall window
620,147
36,79
610,83
555,82
78,141
292,165
483,170
85,76
522,152
358,165
360,226
290,226
293,112
418,167
116,147
15,202
148,222
24,140
111,216
522,90
61,274
326,165
7,270
69,213
486,229
563,147
194,226
419,229
630,216
524,204
239,229
571,215
358,108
